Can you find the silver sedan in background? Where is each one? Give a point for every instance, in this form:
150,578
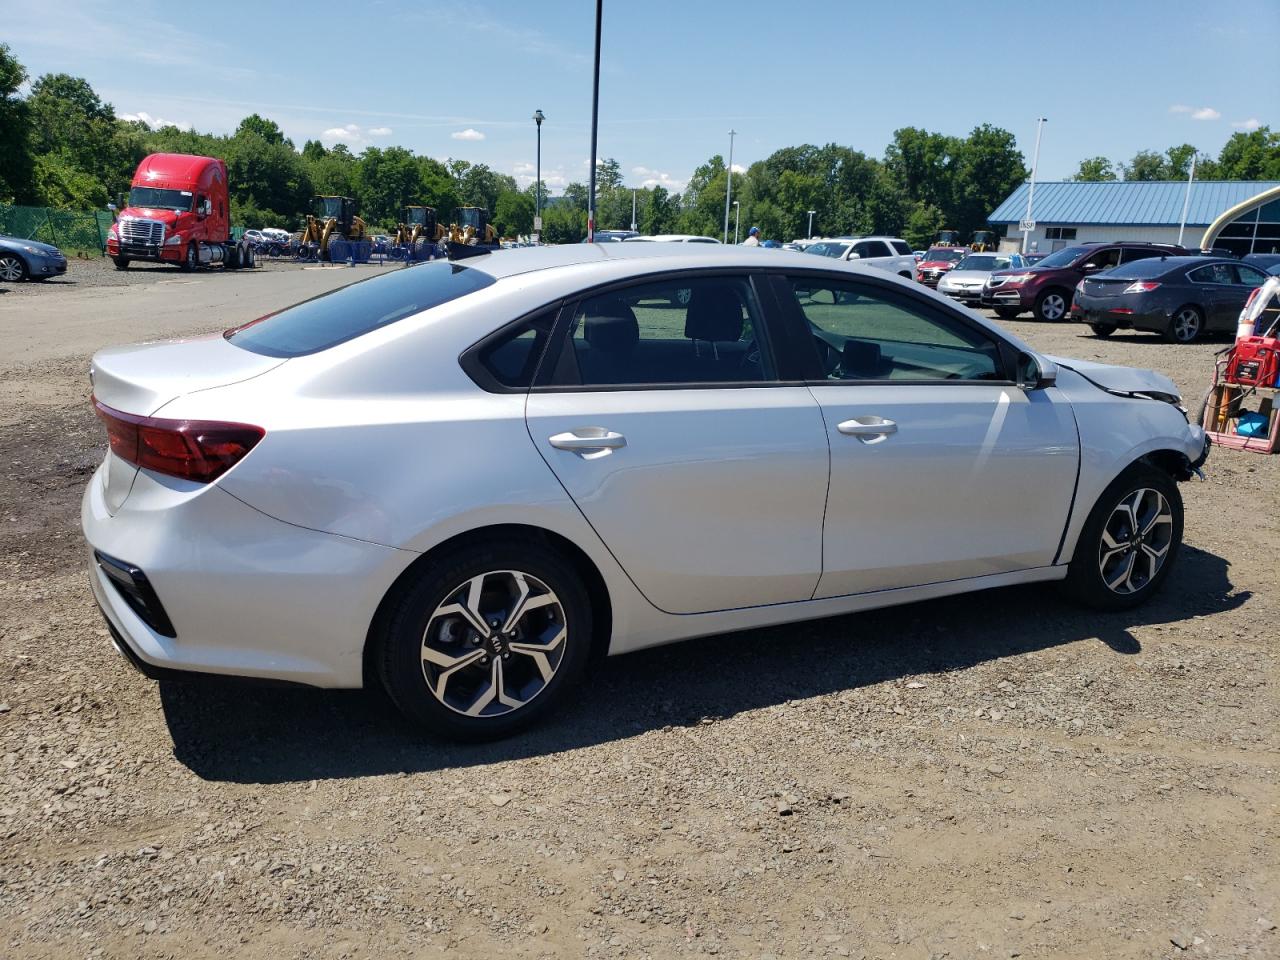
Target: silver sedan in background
964,281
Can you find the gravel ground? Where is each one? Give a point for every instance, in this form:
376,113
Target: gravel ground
101,272
995,775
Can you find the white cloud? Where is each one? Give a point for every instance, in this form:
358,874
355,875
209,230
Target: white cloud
739,168
523,168
154,123
1197,113
468,134
348,134
380,132
1253,123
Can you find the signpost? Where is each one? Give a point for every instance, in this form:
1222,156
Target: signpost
1026,226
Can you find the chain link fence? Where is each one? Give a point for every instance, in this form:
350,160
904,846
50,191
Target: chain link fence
83,231
72,231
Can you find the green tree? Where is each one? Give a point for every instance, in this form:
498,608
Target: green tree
15,159
1251,156
1146,165
268,175
389,181
608,175
987,168
513,213
1094,169
259,126
923,223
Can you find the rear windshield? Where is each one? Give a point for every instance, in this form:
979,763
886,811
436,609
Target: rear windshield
938,254
340,315
1140,269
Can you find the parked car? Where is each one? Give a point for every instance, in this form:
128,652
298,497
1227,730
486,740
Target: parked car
886,253
275,233
936,262
1046,287
1182,298
273,502
919,254
29,260
255,236
1266,262
671,238
612,236
964,281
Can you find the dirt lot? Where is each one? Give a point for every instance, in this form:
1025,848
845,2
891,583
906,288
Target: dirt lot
999,775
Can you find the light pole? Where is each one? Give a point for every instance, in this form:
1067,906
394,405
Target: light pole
1031,189
737,216
595,117
633,209
1186,200
728,186
537,190
811,213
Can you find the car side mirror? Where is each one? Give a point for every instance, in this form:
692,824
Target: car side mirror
1091,267
855,256
1035,373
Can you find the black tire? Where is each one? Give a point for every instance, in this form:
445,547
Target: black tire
249,260
399,652
1186,325
1053,305
13,268
231,256
192,258
122,263
1102,330
1085,578
1007,313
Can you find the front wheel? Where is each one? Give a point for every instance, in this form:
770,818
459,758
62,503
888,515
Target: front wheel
1052,306
192,259
1007,313
12,269
1130,541
122,263
488,641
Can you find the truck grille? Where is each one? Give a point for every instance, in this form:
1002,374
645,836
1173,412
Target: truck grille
141,231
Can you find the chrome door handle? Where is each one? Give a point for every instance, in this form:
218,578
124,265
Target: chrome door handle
587,439
868,427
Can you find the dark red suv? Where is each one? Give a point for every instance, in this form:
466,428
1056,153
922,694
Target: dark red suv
1046,288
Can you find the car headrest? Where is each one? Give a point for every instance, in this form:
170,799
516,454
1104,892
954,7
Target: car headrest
715,313
610,325
860,360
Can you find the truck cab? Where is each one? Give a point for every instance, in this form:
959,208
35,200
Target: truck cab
177,213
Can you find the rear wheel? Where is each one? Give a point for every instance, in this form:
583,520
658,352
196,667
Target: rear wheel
1052,305
1130,541
488,641
1103,330
12,269
1007,313
1185,325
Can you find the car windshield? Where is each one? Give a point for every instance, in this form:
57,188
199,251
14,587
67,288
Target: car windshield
338,316
158,199
1064,257
941,254
983,262
827,249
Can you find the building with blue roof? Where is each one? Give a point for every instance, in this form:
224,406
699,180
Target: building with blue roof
1242,216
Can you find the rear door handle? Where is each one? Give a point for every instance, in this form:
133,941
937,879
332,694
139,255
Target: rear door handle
869,429
588,439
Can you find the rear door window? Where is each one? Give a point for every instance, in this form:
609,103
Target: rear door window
1249,276
341,315
901,247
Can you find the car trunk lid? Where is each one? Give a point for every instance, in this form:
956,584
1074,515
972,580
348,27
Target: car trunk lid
142,378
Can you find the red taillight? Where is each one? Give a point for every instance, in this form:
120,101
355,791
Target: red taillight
199,450
1123,310
1141,286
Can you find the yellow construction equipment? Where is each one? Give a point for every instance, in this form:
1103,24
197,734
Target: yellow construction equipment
333,218
984,241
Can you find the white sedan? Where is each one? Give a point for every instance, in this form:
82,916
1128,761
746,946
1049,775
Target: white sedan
466,480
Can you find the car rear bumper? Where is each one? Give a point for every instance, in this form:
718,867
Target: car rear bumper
1105,315
241,594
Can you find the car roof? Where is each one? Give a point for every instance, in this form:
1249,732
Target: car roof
510,263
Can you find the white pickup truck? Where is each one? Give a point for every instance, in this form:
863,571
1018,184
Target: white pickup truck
887,253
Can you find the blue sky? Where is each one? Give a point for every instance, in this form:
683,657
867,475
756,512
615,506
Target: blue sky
1111,77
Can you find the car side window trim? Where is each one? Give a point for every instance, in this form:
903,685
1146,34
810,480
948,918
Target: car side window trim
808,356
471,358
558,370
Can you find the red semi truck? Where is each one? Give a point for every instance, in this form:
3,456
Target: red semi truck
177,213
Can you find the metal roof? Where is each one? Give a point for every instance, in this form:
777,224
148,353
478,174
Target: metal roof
1145,203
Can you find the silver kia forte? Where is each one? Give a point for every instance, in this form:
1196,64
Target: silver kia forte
467,480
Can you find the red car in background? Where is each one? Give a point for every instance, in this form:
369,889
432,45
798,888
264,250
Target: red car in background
936,262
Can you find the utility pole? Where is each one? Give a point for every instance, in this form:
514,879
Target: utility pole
595,119
633,209
1186,201
1031,189
811,213
728,186
737,217
537,203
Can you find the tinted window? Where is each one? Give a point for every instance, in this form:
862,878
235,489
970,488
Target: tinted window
695,331
869,248
1141,269
1142,253
836,250
1064,257
862,334
1213,273
1249,276
901,246
1102,258
340,315
511,359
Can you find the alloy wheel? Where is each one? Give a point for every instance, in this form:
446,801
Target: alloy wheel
494,643
1135,541
10,269
1053,306
1186,325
